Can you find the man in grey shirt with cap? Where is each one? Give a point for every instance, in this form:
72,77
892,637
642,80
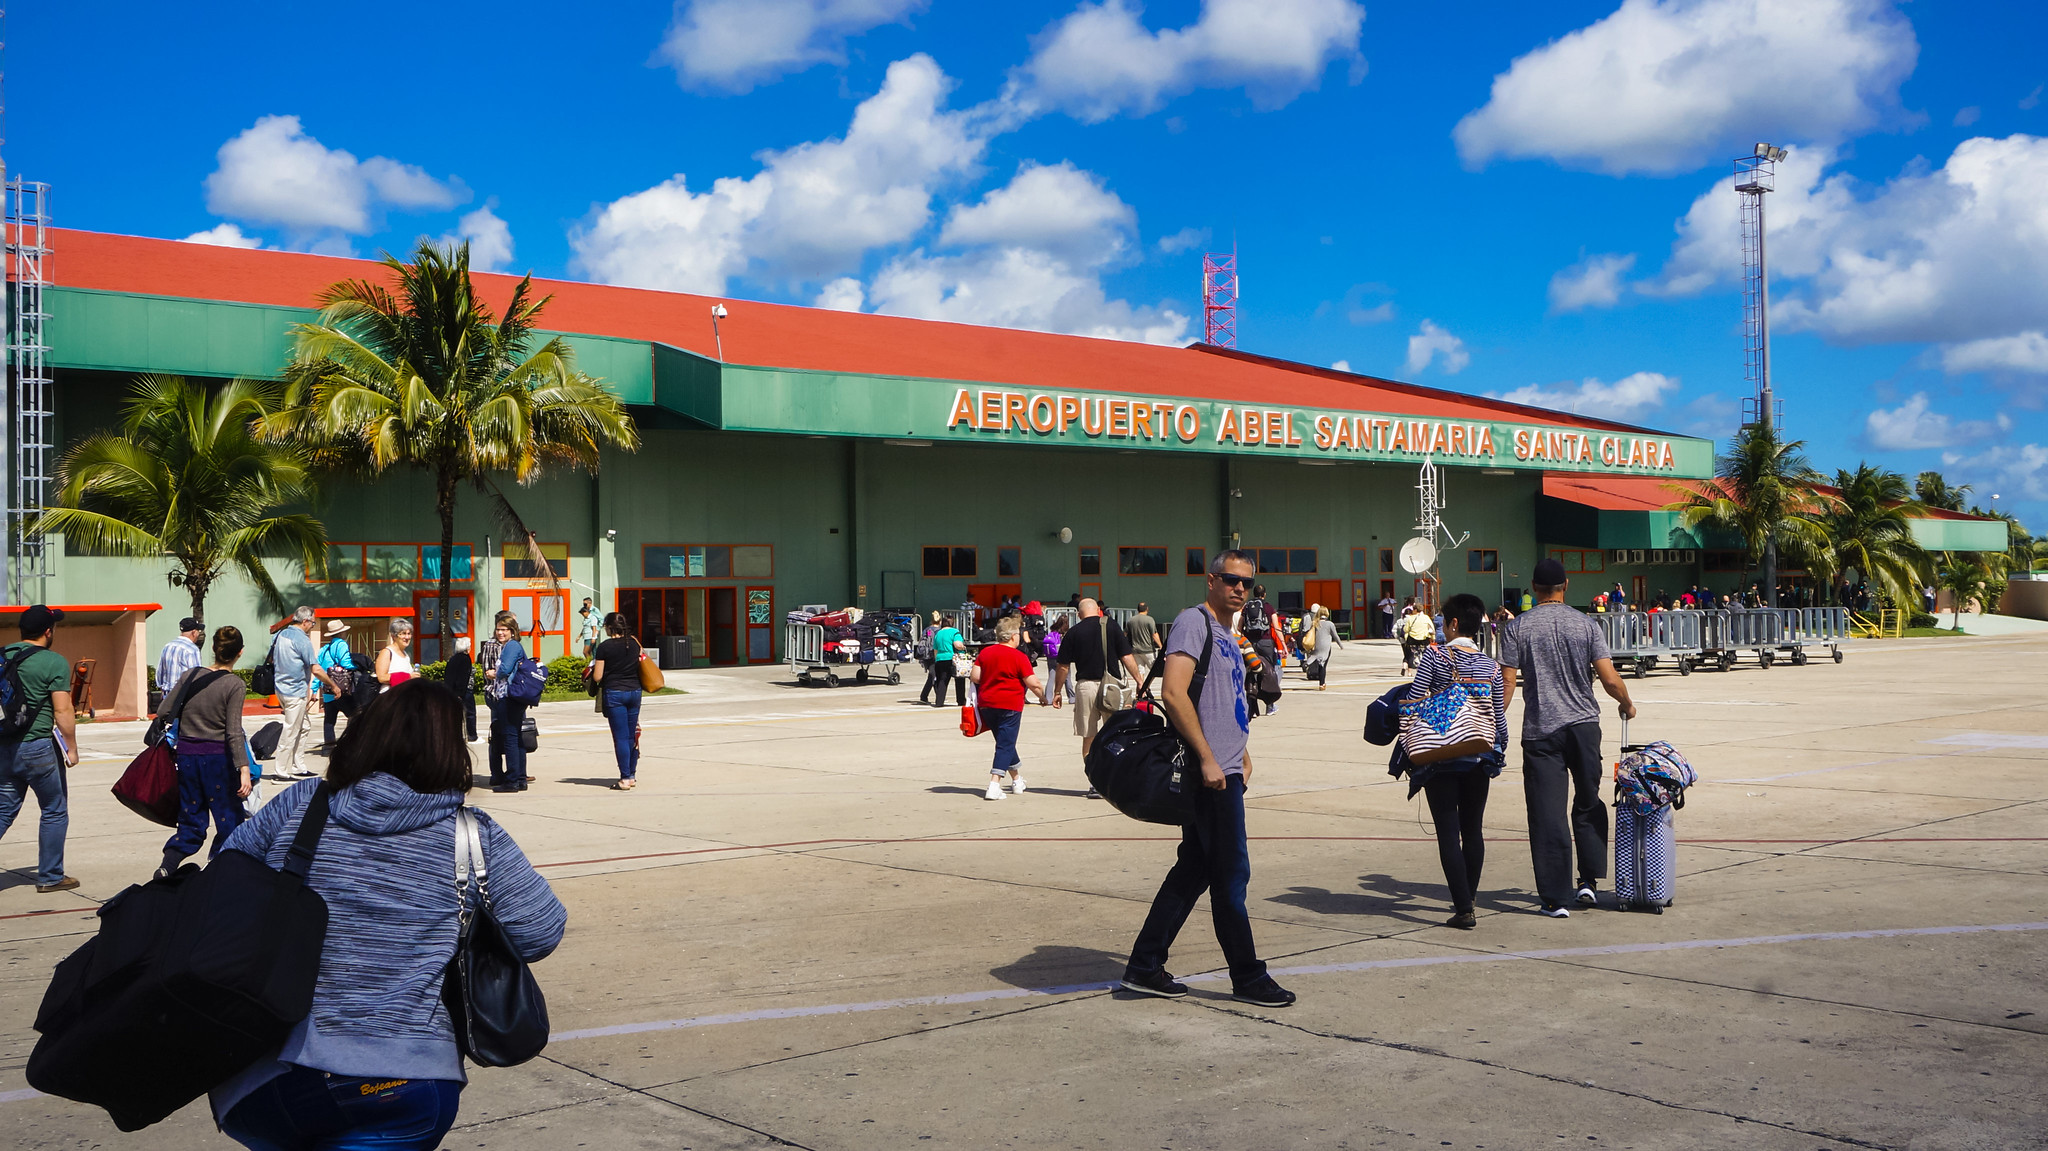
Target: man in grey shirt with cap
1554,652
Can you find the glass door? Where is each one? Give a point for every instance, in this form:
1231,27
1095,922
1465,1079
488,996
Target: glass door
542,617
722,606
425,605
760,625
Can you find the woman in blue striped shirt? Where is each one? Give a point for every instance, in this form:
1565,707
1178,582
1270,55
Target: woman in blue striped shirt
1456,788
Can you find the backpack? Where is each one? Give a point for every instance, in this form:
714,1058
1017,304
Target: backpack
340,673
17,714
1257,623
263,679
529,679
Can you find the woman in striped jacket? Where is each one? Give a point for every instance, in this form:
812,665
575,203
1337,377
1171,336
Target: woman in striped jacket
1456,788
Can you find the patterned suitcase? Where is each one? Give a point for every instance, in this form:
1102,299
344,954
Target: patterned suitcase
1645,857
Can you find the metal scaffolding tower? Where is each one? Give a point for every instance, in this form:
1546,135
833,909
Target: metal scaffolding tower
1219,299
1755,175
28,398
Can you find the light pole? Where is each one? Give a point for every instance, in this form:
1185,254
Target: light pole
1755,176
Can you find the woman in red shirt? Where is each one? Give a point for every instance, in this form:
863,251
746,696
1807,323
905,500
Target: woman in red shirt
1001,675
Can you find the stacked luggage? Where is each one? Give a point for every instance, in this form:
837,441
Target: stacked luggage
1649,784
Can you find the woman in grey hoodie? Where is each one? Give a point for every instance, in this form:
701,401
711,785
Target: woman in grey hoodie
376,1060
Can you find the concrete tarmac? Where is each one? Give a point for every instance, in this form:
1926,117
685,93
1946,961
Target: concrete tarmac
807,928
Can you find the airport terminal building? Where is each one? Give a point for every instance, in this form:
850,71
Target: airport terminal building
797,455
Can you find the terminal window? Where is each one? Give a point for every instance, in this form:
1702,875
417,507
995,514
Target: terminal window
1580,562
1482,560
1386,559
1141,561
1287,561
1357,561
1010,561
707,561
1091,561
948,563
520,565
1198,561
391,563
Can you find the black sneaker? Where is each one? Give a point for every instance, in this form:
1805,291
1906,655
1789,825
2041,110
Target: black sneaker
1588,892
1156,983
1463,921
1264,993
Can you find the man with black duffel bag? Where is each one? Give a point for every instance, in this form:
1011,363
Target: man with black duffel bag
1214,724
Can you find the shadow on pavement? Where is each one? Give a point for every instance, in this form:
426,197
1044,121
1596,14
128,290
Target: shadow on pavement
1056,965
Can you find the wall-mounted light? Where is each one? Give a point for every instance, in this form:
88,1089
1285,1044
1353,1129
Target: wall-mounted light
611,534
908,443
1496,471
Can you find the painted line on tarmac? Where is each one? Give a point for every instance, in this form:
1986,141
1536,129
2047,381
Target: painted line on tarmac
1254,838
969,997
1826,770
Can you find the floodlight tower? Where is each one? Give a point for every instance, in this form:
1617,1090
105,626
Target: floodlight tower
1755,176
1219,299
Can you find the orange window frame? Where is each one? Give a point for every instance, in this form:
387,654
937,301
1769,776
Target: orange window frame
1166,552
950,549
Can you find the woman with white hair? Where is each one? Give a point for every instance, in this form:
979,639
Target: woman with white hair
394,663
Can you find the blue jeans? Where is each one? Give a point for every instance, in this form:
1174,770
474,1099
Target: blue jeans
207,784
36,765
508,755
622,712
1213,859
1004,724
308,1110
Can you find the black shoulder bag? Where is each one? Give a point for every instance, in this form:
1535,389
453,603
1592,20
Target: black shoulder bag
500,1016
1139,764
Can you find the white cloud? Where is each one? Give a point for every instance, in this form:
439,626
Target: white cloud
2032,100
1912,426
274,173
1594,282
1628,398
735,44
1017,288
841,295
1951,255
811,211
1101,59
224,236
1709,417
2014,471
1184,239
490,239
1342,365
1666,85
2026,352
1429,342
1056,208
1968,116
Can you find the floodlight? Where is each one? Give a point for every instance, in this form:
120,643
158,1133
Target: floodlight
718,311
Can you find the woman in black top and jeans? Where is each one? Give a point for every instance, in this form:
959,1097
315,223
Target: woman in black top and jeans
616,671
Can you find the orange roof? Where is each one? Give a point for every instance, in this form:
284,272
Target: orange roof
787,336
1612,493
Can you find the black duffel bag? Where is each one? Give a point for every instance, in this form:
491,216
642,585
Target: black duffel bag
1139,764
190,980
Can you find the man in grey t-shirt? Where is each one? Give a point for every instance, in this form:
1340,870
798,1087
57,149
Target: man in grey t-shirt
1214,725
1553,652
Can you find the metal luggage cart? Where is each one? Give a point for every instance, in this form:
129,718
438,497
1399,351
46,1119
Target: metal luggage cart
1717,649
808,648
1826,627
1792,639
1627,638
1760,630
1674,635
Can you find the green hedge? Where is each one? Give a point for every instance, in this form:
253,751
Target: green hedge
565,677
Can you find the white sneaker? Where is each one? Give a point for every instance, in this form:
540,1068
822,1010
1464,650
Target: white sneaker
1017,786
995,789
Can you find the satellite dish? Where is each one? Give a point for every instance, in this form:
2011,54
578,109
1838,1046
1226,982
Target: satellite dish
1418,555
1066,535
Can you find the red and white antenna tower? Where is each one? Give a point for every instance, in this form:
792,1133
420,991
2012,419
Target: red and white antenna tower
1219,299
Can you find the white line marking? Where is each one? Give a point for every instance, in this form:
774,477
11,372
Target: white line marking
1993,739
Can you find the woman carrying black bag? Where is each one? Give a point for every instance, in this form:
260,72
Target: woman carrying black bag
378,1059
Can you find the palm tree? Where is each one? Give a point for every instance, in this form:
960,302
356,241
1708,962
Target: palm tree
1933,490
188,478
426,377
1762,493
1869,528
1967,576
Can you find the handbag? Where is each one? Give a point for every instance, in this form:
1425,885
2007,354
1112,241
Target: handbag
263,679
1114,692
1139,764
970,713
529,734
149,786
1449,724
499,1013
651,679
189,980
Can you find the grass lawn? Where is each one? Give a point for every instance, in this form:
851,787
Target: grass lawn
1930,632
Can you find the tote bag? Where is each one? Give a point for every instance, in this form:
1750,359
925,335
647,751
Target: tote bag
970,713
1449,724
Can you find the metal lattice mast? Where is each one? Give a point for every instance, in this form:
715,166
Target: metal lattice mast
28,250
1755,176
1219,299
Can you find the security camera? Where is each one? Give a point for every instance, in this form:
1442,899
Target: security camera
611,533
718,311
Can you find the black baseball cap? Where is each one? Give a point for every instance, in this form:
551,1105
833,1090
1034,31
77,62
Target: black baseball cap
190,624
1549,573
39,619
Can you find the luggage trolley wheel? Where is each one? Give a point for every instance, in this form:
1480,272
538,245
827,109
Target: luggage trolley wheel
1838,655
860,676
1799,658
895,677
831,679
1727,661
1763,658
1684,666
1642,668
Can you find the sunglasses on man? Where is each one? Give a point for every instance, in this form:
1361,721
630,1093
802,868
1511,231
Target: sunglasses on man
1235,580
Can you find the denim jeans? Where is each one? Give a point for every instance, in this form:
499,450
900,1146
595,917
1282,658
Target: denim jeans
36,765
622,712
508,755
207,784
305,1110
1003,723
1213,859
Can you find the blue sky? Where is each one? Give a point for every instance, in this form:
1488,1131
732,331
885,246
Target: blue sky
1499,198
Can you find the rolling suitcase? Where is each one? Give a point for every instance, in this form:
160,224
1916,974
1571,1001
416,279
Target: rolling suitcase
1649,784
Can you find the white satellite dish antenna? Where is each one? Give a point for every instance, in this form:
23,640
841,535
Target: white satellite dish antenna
1066,535
1418,555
